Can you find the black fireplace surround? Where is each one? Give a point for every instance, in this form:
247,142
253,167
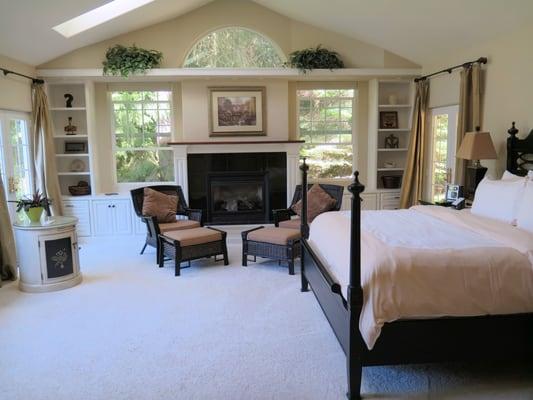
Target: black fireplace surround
237,188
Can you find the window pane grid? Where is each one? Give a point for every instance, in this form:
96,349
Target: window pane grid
325,123
142,129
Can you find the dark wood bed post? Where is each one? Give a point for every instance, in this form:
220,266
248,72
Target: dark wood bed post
304,226
512,154
354,362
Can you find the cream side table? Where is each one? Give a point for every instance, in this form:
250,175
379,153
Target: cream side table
48,254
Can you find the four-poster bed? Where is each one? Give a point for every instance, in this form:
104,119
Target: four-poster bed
502,337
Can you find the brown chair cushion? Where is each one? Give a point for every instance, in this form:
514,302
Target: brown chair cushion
160,205
191,237
291,223
178,225
318,201
279,236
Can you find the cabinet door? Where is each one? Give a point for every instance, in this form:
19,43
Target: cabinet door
80,210
370,201
102,218
122,217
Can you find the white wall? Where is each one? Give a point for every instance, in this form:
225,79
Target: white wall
508,87
195,109
15,92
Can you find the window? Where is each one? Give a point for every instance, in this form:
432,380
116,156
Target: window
325,122
142,128
234,48
15,161
443,136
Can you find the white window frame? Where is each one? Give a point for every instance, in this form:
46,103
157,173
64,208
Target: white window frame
452,111
114,148
355,120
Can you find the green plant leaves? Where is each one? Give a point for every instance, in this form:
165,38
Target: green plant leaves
314,58
125,61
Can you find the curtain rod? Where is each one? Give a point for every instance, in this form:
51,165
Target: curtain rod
7,71
481,60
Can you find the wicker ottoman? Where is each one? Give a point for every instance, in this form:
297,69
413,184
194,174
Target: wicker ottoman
282,244
192,244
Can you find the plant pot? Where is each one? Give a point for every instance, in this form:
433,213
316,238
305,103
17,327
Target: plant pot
35,213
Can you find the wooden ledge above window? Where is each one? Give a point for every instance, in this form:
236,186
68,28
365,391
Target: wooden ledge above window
237,142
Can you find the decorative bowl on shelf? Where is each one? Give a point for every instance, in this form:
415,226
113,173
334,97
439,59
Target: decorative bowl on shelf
81,189
391,181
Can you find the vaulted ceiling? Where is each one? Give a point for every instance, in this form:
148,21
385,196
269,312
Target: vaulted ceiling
415,29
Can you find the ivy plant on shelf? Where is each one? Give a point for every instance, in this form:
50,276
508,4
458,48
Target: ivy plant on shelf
126,61
314,58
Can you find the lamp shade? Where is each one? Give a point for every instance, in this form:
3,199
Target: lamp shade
477,146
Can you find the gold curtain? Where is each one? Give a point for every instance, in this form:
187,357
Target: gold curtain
469,112
46,180
8,261
413,179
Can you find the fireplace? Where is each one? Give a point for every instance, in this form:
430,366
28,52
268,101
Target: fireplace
237,188
237,198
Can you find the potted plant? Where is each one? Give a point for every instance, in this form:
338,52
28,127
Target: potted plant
33,206
313,58
125,61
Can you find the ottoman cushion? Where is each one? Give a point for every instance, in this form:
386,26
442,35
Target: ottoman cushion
178,225
279,236
193,236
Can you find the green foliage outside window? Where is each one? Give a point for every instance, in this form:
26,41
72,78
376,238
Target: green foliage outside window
440,156
233,48
325,123
142,123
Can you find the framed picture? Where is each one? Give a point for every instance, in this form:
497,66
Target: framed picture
237,111
388,120
75,147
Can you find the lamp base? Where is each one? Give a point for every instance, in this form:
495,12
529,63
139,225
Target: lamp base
474,175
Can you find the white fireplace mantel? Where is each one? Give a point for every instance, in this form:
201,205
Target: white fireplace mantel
292,148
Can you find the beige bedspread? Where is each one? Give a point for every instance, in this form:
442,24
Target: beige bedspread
428,262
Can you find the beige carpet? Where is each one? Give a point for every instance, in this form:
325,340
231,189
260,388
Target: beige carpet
133,331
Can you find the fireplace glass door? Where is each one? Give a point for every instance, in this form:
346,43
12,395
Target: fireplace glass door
238,198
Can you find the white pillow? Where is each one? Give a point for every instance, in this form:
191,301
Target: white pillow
498,199
508,176
524,218
530,174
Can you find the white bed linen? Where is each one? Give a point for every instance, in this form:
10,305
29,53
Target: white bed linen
428,262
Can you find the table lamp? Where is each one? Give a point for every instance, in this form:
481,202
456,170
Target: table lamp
475,146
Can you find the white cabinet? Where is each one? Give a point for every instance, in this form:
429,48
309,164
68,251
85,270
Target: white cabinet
370,201
111,217
79,209
389,200
47,255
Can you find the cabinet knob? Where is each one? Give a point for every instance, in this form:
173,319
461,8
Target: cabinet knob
113,206
109,206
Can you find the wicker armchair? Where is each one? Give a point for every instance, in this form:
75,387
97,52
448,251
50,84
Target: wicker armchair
154,228
335,191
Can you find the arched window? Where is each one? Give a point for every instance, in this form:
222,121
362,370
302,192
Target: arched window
234,47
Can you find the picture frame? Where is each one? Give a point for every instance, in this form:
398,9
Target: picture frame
75,147
388,120
237,111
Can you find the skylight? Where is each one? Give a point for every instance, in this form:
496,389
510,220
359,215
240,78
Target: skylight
98,16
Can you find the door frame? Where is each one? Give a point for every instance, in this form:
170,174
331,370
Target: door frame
453,112
6,157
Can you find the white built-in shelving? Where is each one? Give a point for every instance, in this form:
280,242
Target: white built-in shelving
72,151
388,95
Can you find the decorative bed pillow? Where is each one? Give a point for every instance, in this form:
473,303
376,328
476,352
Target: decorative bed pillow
318,201
498,199
160,205
508,176
524,219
